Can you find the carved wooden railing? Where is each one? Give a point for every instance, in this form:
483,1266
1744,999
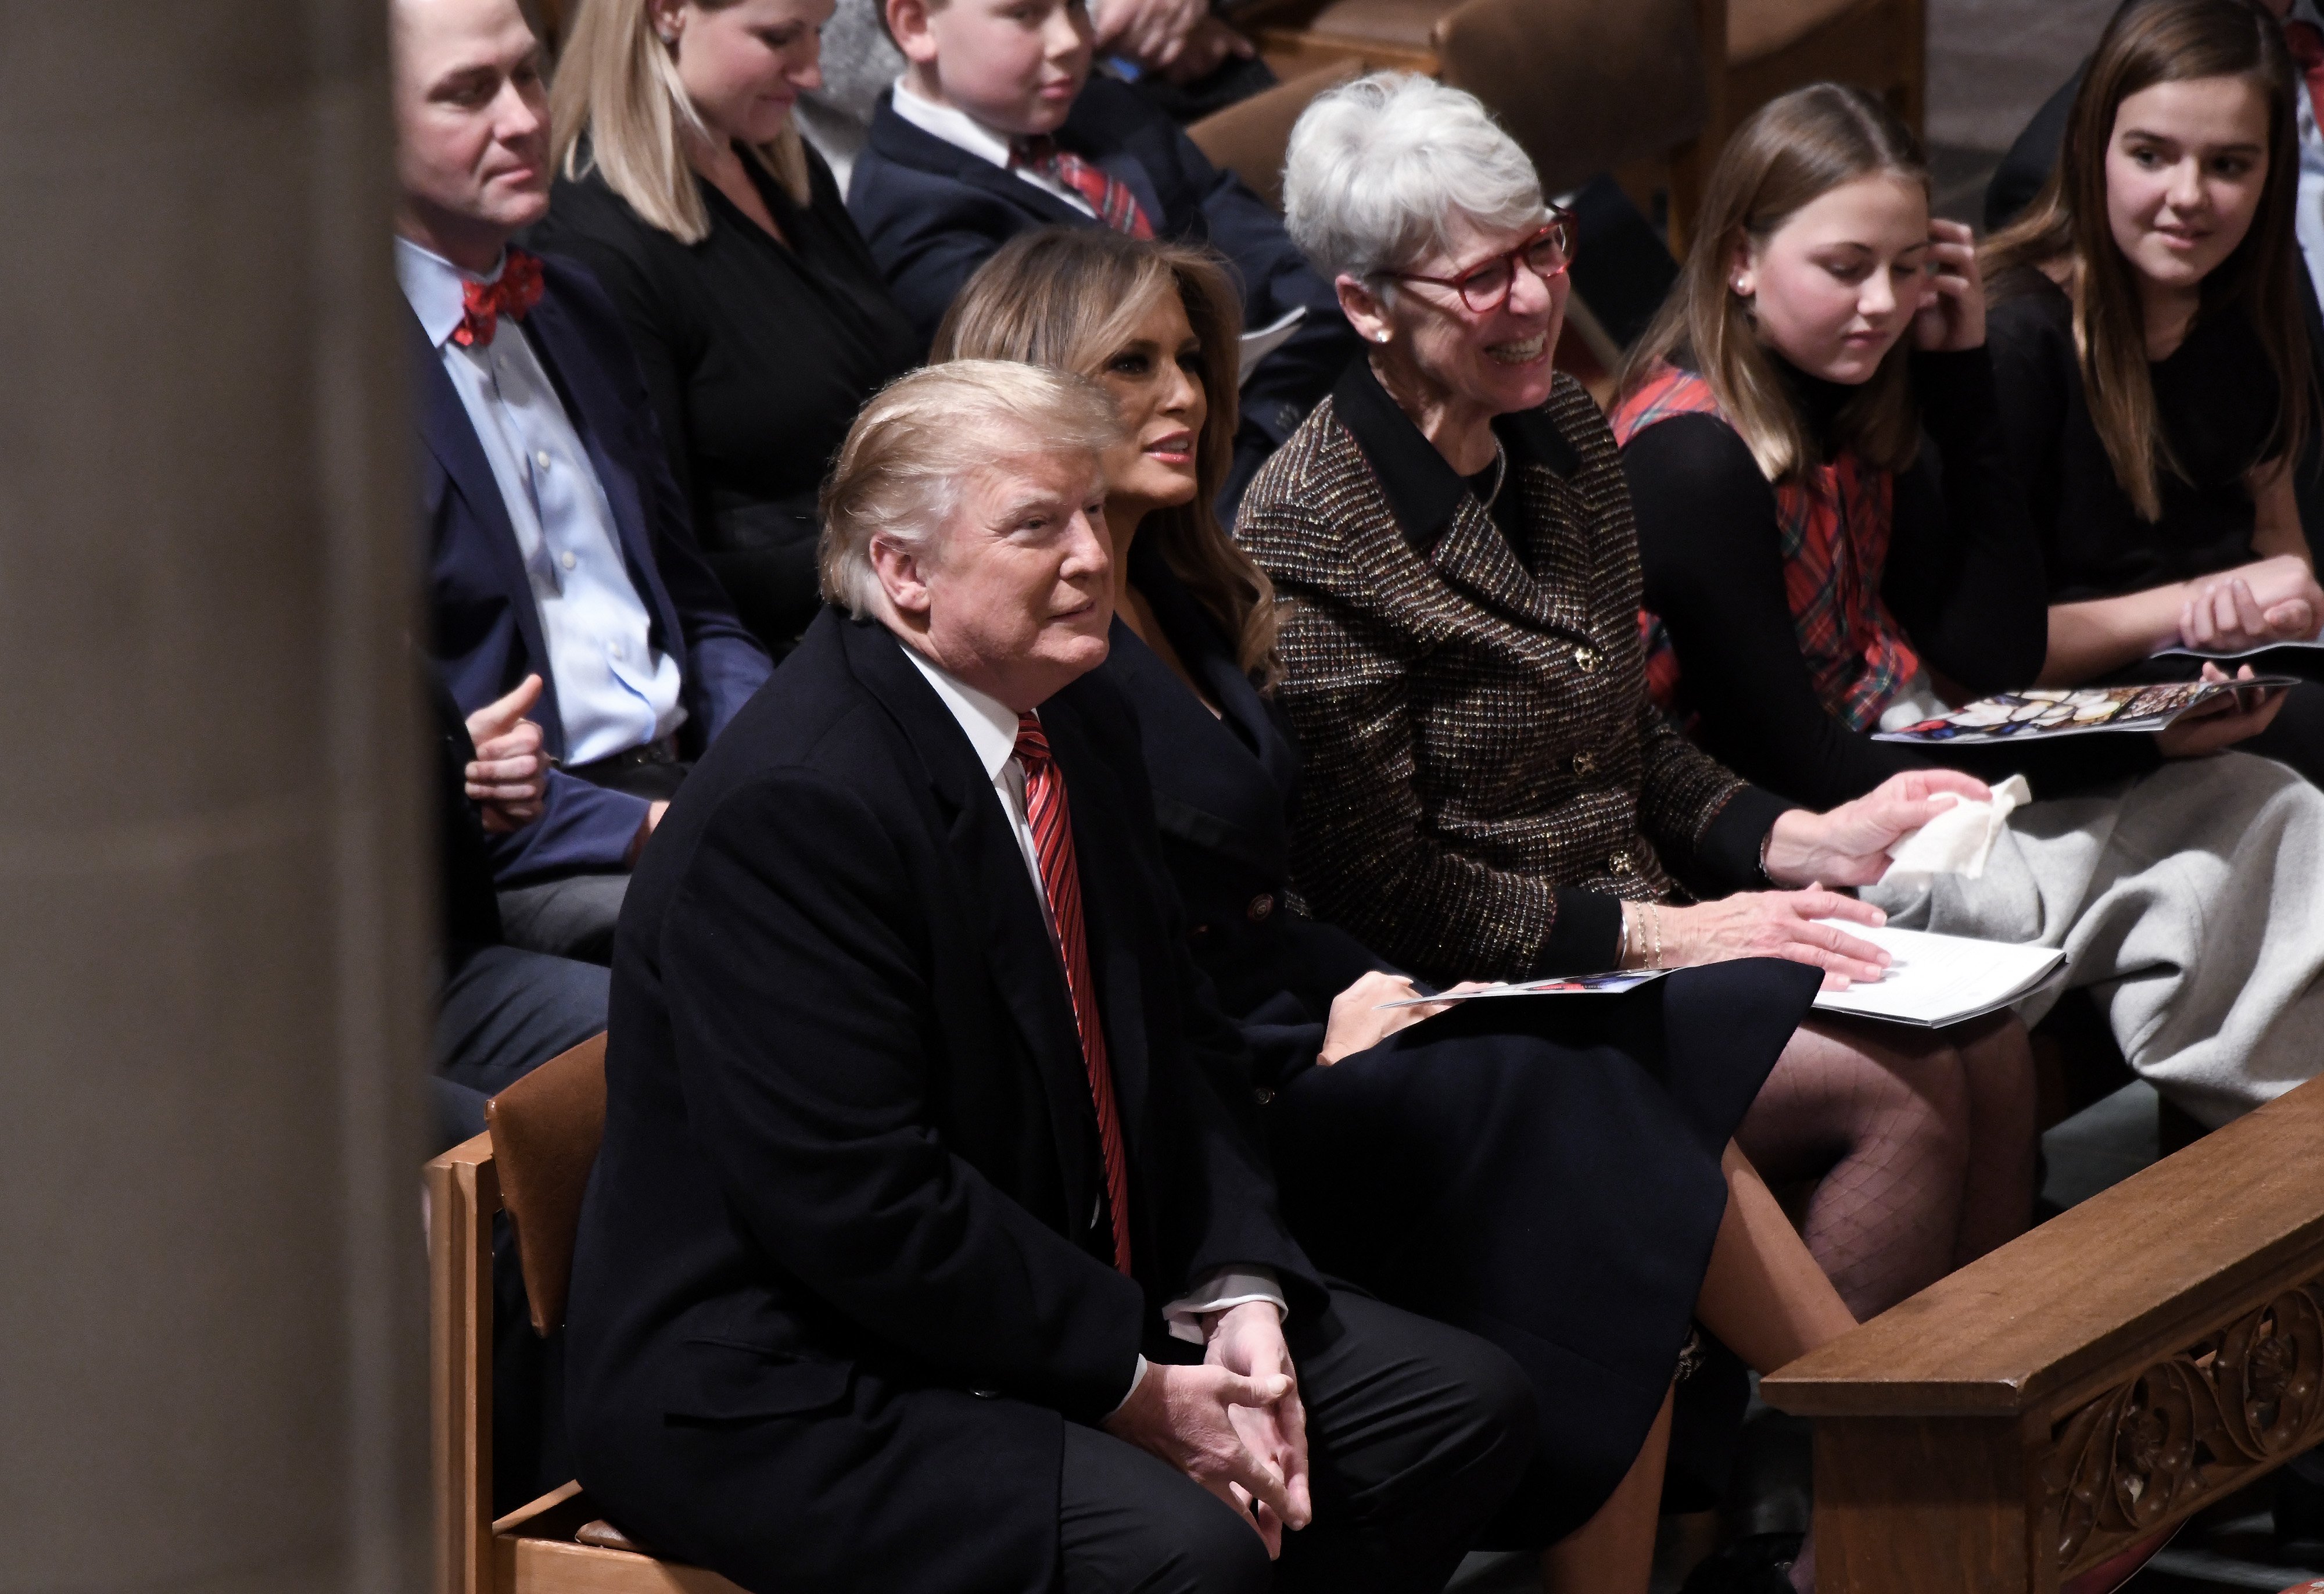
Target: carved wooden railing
2080,1389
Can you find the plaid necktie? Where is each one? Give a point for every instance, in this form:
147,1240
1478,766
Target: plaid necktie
1107,194
515,291
1053,844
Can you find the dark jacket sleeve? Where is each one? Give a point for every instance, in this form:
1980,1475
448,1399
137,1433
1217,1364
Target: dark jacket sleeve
1964,575
581,827
928,232
1714,573
802,1023
724,662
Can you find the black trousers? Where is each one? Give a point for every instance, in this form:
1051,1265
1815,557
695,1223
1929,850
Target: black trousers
1416,1433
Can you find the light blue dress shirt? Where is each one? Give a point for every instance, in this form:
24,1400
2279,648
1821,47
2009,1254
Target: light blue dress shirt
613,691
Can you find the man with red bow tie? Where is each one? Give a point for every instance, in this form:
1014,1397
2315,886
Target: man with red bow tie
558,546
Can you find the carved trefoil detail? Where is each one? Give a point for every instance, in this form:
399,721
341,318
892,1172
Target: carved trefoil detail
2246,1397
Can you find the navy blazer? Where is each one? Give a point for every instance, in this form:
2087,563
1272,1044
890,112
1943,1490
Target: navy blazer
933,213
483,627
851,1168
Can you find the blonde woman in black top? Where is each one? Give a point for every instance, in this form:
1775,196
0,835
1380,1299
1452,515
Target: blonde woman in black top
2150,358
756,311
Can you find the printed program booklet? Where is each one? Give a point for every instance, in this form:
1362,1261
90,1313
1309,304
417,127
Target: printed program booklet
1611,983
1941,979
2041,712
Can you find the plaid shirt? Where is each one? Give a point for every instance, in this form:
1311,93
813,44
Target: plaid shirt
1484,775
1833,523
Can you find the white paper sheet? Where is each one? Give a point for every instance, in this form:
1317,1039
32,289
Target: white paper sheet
1256,346
1572,984
1941,979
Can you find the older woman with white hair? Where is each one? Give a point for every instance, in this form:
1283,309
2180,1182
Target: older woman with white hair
1488,789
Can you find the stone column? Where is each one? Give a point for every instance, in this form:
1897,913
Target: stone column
213,867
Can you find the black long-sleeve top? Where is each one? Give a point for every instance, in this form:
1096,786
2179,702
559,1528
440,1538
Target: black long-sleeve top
1964,579
757,354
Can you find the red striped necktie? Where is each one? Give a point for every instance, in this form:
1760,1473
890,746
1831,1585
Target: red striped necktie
1053,844
2306,43
1107,194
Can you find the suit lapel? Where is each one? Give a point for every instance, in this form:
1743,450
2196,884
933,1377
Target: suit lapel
451,440
1014,933
911,146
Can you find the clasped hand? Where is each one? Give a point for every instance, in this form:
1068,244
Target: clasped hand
1234,1424
2270,600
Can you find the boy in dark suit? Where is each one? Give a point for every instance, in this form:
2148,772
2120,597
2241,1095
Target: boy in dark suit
997,127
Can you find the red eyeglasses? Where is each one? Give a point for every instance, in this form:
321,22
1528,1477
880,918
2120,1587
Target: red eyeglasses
1485,287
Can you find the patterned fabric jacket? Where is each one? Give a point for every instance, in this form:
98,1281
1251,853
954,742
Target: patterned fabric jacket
1834,520
1485,774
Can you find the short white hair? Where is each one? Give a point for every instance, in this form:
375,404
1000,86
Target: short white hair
920,441
1377,166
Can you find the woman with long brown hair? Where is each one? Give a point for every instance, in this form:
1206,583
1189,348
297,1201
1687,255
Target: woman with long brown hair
1828,515
2151,360
1558,1176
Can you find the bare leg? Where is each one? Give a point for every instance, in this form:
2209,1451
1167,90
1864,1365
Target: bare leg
1997,1058
1879,1117
1762,1294
1613,1553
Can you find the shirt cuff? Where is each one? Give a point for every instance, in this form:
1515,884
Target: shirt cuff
1136,1378
1227,1287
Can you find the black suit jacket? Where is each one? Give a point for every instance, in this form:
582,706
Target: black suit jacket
483,624
849,1147
933,213
1225,786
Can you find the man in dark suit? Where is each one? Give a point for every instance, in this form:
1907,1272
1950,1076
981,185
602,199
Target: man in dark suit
930,1248
557,543
997,127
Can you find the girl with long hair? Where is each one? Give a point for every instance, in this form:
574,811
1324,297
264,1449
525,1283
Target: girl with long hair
2151,360
1833,536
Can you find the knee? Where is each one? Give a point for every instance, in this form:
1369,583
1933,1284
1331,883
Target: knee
1209,1550
1491,1416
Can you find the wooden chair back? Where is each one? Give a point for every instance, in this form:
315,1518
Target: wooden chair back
2086,1386
1584,86
546,1129
558,1544
1249,139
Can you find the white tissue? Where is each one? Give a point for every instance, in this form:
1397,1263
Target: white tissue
1958,840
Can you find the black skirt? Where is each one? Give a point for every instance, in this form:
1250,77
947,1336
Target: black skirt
1545,1172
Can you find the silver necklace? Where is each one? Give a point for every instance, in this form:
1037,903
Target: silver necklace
1500,472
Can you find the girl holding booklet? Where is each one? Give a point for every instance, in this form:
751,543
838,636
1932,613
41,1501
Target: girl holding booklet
1555,1174
2153,365
1813,564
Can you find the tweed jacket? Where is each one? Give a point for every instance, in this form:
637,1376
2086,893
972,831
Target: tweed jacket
1485,775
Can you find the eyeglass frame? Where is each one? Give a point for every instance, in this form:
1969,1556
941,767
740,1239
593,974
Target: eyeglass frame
1560,221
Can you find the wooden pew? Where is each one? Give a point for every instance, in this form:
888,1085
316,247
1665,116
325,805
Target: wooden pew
2097,1380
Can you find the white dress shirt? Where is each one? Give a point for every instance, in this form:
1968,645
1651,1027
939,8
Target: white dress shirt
990,727
613,691
2308,219
963,131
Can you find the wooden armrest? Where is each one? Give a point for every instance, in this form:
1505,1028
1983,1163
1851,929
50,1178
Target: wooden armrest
2138,1272
2088,1385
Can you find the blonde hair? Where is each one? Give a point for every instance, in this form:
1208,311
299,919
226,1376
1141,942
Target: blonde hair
1792,153
2152,42
922,438
617,106
1068,298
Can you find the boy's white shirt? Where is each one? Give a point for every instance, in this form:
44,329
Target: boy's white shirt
963,131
